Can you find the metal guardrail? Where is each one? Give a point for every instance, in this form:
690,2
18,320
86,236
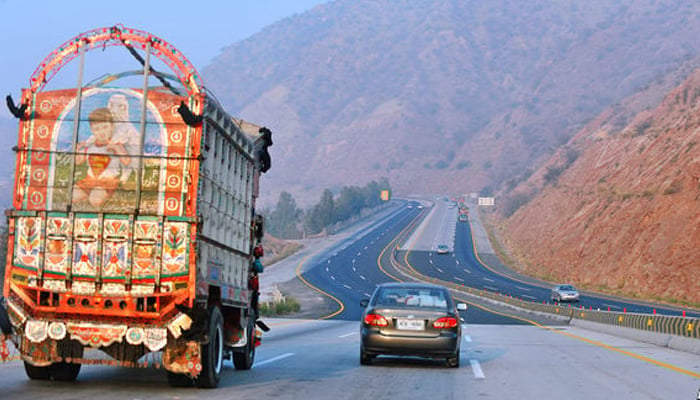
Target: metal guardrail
663,324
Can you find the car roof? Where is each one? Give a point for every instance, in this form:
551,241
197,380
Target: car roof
410,285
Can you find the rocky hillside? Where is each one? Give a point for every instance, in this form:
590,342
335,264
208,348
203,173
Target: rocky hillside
618,208
443,95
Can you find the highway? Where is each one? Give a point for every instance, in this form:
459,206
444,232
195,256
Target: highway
504,355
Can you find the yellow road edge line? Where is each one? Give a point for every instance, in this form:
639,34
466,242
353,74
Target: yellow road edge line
571,335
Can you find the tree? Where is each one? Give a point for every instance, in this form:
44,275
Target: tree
284,219
350,202
322,214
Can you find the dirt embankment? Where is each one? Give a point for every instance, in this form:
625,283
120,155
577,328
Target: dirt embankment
618,210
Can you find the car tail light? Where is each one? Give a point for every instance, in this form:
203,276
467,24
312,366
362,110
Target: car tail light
375,320
445,323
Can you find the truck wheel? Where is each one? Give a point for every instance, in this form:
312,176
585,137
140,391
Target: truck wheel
63,371
212,351
179,380
244,359
5,325
36,373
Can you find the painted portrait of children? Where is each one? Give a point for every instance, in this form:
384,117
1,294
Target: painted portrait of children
105,158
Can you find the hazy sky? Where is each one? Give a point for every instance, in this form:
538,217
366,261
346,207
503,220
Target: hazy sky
30,30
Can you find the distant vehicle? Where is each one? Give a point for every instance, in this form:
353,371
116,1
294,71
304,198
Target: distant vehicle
442,249
561,293
411,319
463,218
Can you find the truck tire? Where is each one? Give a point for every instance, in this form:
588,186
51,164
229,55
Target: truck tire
245,358
212,351
5,325
36,373
179,380
63,371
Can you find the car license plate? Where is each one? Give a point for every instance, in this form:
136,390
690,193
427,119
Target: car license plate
410,324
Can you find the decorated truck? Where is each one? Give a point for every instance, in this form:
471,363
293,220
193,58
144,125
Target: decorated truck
133,237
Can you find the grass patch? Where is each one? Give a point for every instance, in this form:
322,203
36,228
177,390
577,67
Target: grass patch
284,307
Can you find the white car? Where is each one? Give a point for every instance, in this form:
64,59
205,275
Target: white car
442,249
561,293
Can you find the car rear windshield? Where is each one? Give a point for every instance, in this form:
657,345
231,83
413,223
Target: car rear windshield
412,298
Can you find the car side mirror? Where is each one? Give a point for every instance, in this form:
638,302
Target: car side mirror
462,306
364,303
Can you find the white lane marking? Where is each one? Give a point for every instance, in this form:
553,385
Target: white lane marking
467,338
327,270
457,261
489,280
273,359
458,279
610,305
363,277
329,261
529,297
430,261
347,334
367,294
347,286
491,288
354,269
332,277
523,288
441,271
467,271
476,369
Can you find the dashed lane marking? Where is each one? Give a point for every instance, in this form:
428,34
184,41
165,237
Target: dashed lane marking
476,369
273,359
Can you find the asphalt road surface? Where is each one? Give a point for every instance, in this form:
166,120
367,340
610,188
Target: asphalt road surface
503,355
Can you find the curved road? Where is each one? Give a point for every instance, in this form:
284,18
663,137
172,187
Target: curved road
319,359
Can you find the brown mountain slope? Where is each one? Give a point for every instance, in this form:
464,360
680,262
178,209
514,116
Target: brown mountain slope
624,216
443,95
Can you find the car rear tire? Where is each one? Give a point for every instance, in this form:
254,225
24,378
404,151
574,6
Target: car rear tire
212,351
366,359
453,361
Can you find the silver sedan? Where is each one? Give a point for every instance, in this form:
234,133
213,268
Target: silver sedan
411,319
